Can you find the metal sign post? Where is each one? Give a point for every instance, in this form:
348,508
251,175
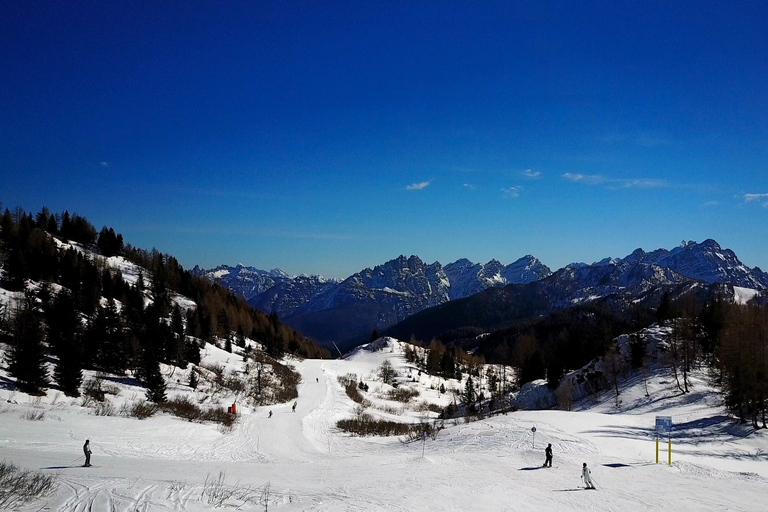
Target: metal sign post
664,426
533,429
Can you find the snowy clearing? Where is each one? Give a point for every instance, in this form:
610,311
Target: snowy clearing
299,460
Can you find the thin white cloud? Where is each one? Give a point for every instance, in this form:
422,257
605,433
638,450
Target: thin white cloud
756,197
469,186
511,192
588,179
104,164
528,173
642,183
418,186
712,203
599,179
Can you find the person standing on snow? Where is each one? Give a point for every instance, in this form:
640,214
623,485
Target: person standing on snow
294,407
548,453
87,452
586,475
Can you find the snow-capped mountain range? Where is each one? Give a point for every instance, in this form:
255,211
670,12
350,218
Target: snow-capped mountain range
373,298
337,310
705,261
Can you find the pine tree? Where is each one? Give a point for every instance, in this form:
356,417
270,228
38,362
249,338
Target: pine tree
152,379
665,311
64,340
469,393
111,351
27,355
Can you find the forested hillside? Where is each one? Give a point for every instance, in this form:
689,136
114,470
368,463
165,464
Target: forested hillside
66,296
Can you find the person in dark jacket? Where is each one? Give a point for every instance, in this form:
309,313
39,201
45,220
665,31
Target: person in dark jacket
548,453
87,452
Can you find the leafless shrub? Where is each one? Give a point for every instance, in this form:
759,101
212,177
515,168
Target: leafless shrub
353,392
105,408
264,498
175,488
184,407
272,382
424,430
235,384
387,372
140,410
110,389
92,391
397,411
365,425
217,369
344,380
288,379
20,486
402,394
217,493
33,415
425,406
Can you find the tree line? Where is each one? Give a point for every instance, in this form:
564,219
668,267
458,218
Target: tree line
728,338
80,310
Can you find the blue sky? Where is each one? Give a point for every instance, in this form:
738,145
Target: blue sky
325,137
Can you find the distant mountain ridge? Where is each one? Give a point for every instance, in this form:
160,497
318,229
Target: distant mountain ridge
638,280
374,298
382,296
706,261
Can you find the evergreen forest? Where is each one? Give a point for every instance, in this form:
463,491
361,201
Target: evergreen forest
79,311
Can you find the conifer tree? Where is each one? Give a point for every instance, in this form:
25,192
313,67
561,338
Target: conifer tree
64,340
151,377
106,343
665,311
468,397
27,355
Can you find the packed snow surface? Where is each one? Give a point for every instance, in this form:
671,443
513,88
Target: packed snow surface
305,463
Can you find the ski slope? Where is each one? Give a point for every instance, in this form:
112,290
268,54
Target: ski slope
306,464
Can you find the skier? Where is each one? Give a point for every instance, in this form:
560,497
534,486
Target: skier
548,453
270,414
87,452
294,407
586,475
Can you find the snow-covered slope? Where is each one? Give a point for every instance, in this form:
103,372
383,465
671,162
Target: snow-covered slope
300,461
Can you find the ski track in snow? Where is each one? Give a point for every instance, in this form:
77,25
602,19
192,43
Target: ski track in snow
491,464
